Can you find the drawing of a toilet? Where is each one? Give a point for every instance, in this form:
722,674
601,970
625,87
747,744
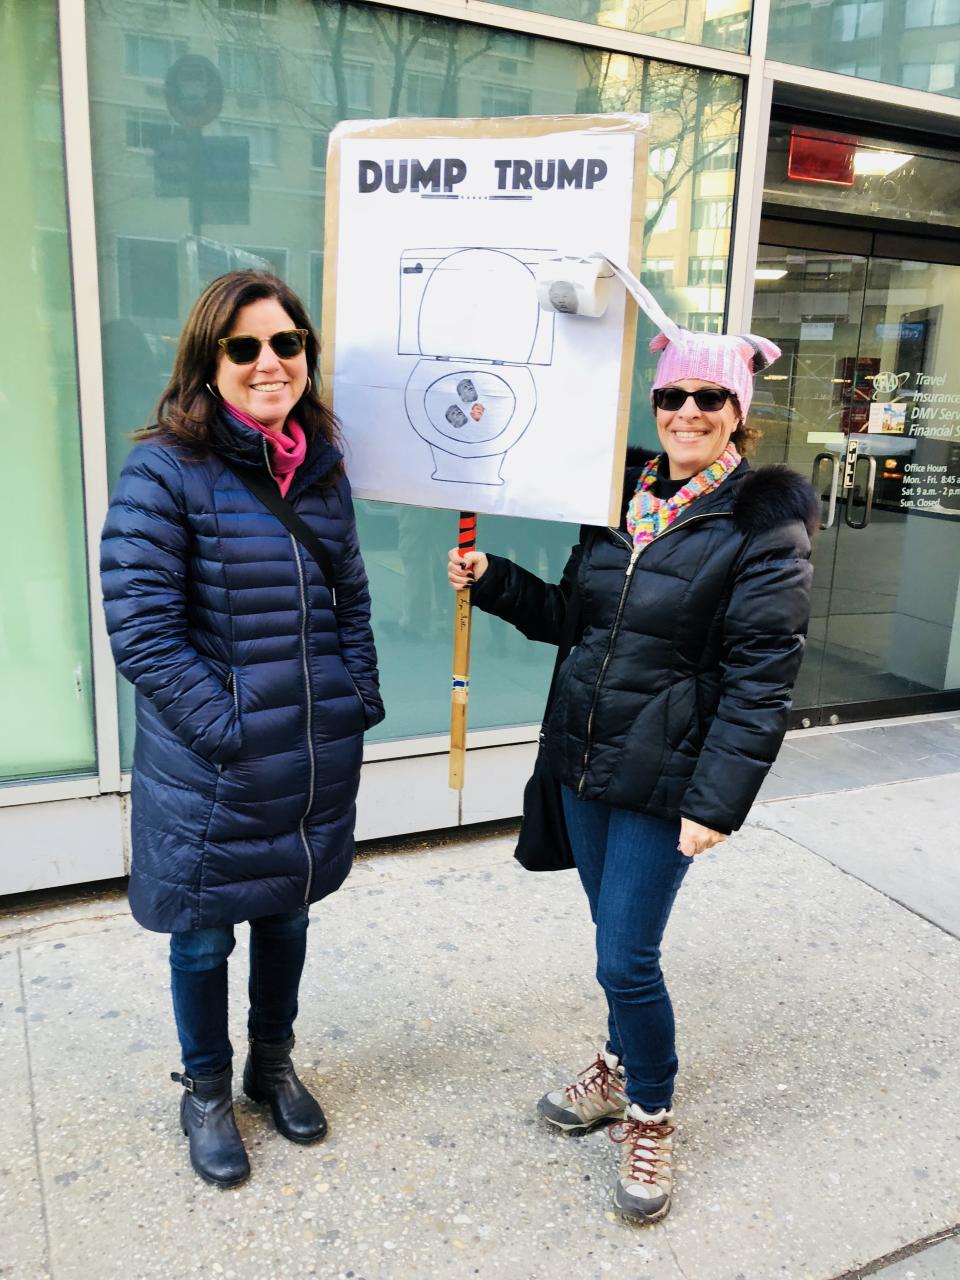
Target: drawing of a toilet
471,314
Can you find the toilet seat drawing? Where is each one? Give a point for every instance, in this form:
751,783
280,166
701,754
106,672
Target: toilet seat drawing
472,316
469,448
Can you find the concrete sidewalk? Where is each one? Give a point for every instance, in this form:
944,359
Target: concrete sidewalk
818,1103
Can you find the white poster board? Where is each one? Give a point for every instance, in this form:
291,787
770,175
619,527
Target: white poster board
454,388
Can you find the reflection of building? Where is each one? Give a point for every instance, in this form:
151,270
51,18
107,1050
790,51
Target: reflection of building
826,266
286,85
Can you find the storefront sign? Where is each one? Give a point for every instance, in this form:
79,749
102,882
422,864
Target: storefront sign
816,331
935,411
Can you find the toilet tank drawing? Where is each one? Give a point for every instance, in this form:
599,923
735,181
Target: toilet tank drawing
474,303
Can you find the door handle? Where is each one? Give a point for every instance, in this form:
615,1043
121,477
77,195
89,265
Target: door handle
868,497
834,486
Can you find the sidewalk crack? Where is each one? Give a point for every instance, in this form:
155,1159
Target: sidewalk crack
33,1118
673,1252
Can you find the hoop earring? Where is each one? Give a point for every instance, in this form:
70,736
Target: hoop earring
309,385
212,392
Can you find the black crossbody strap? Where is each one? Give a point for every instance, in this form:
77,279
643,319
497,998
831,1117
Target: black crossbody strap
265,488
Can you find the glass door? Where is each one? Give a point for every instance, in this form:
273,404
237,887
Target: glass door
866,401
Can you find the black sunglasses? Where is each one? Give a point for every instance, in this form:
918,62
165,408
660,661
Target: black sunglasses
244,349
707,399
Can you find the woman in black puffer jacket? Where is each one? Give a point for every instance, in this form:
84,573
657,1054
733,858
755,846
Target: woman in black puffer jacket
669,710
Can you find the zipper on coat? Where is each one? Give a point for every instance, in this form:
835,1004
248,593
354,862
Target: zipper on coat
306,685
232,686
634,556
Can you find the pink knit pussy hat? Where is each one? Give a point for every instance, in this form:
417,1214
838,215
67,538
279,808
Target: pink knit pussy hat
728,359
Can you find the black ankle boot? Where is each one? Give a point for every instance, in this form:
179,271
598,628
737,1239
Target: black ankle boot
269,1077
206,1117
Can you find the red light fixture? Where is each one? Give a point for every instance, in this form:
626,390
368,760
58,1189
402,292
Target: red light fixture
821,158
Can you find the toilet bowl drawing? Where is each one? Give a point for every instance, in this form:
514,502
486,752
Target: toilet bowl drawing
472,317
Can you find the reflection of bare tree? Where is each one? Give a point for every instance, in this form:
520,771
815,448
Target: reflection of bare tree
400,33
662,18
459,55
397,36
694,114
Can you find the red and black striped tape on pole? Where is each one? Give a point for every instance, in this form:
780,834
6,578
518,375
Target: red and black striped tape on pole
466,541
468,531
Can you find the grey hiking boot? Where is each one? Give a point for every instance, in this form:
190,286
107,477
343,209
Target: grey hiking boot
643,1189
595,1096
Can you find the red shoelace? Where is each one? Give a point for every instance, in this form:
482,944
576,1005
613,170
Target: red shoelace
599,1079
645,1161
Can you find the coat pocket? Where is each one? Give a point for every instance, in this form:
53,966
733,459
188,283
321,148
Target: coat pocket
366,717
233,688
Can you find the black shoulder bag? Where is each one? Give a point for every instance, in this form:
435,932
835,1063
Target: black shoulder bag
543,843
265,488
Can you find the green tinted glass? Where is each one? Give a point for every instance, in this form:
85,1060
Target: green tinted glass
913,43
46,695
718,24
287,79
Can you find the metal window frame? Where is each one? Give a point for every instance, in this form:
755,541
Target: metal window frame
78,161
760,79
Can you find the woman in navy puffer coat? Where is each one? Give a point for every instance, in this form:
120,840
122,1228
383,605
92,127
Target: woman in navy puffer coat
255,680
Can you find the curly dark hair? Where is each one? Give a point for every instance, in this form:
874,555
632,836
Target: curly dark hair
746,438
187,409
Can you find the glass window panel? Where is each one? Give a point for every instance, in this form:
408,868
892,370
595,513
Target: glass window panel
249,72
423,93
264,139
504,100
151,57
46,687
897,42
265,7
919,185
718,24
919,13
146,130
337,61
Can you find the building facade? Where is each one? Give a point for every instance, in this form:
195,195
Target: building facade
804,181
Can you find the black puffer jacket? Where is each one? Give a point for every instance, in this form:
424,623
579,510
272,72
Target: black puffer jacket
675,699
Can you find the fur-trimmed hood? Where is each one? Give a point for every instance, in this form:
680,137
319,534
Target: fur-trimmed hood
763,498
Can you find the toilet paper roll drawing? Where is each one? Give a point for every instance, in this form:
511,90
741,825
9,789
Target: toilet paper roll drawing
575,286
582,286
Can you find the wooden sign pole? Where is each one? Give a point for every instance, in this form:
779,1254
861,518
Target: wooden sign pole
461,660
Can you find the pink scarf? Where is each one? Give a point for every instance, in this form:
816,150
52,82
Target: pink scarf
288,447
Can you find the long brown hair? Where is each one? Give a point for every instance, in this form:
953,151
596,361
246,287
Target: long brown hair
188,408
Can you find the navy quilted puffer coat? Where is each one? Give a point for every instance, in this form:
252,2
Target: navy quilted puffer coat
254,686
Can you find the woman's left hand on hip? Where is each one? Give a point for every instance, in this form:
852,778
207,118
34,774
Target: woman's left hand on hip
695,838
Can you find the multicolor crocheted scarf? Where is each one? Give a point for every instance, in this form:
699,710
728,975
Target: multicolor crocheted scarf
648,516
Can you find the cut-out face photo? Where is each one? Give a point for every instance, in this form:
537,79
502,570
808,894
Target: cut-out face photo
563,297
470,406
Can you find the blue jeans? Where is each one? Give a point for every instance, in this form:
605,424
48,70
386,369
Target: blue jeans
631,870
198,984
